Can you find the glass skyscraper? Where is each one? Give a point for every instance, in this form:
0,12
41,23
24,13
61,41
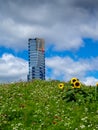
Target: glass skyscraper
36,54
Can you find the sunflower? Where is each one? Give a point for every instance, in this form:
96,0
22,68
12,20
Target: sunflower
77,84
97,84
74,80
61,86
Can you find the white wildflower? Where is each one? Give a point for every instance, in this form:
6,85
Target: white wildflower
82,126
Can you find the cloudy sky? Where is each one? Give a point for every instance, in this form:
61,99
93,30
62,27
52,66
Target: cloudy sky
70,30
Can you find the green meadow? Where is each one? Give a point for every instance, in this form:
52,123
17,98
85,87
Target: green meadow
42,105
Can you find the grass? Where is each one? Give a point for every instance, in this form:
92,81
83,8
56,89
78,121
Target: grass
41,105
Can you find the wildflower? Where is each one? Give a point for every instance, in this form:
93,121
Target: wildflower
97,84
77,84
61,86
86,109
74,80
82,126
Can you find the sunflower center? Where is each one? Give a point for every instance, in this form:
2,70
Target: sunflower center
77,84
74,80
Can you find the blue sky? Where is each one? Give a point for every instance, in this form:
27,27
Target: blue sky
88,50
70,30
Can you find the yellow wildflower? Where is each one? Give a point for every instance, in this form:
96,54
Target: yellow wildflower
61,86
77,84
97,84
74,80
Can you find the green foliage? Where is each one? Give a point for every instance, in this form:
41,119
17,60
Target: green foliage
79,95
41,105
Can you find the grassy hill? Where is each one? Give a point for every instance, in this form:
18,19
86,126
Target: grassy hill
41,105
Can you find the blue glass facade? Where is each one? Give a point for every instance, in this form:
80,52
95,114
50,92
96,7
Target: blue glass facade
36,55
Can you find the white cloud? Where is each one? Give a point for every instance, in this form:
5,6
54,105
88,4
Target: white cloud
12,68
65,68
90,81
62,23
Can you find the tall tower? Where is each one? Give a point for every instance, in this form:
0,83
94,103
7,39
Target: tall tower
36,55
